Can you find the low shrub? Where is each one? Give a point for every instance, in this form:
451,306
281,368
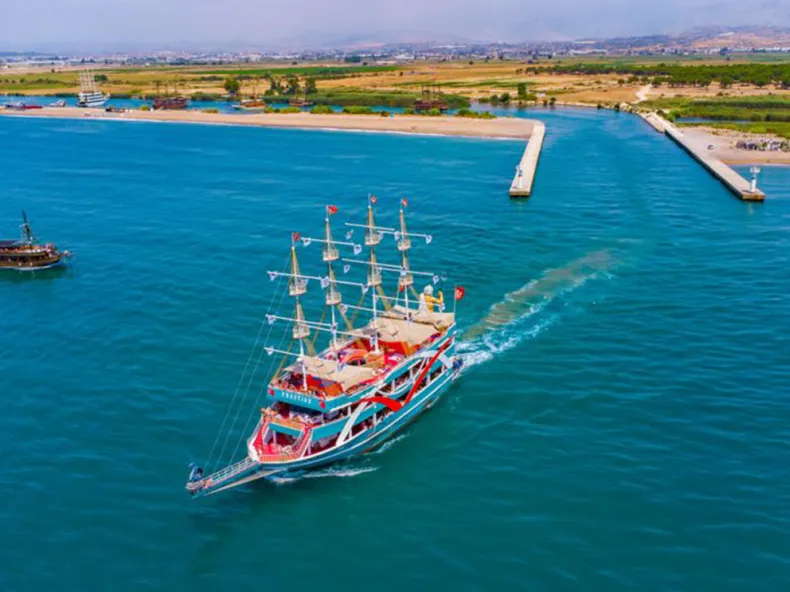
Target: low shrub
357,110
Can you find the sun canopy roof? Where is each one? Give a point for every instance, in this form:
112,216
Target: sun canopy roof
347,376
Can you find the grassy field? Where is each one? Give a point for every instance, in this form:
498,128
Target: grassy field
703,86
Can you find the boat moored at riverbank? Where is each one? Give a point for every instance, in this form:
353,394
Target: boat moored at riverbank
90,96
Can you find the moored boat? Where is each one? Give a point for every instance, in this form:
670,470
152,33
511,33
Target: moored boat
25,254
301,103
90,96
369,382
19,106
251,105
170,103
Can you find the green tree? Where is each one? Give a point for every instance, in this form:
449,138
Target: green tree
274,83
505,98
310,87
761,79
98,77
522,90
232,85
292,83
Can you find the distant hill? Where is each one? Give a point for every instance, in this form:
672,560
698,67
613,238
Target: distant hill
706,38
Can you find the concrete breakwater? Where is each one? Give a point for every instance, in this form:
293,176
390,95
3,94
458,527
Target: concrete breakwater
739,186
525,171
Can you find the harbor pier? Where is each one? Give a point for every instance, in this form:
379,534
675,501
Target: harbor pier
525,170
740,187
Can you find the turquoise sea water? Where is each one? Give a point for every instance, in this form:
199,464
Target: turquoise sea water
623,419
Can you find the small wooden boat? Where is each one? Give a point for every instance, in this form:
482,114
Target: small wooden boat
429,100
301,103
170,103
26,254
251,105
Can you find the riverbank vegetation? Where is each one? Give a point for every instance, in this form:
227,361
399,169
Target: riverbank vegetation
582,79
760,108
679,75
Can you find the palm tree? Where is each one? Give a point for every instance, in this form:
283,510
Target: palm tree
293,85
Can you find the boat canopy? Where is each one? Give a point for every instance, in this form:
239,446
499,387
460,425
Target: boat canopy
403,331
346,376
7,244
440,320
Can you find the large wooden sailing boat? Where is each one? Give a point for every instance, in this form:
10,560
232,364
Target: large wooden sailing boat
25,254
369,382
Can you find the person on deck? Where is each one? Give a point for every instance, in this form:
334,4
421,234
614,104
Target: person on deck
428,300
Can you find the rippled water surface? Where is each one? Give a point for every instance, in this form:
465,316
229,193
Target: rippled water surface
623,419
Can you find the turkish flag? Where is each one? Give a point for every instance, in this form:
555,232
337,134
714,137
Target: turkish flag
373,199
331,209
295,236
404,203
459,292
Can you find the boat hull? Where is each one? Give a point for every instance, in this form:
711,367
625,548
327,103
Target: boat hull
355,446
92,100
370,438
60,263
51,263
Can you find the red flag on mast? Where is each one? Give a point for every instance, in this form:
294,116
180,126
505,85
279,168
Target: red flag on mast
459,292
331,210
295,236
404,203
373,199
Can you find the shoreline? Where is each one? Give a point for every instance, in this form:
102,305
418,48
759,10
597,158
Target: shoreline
723,146
503,127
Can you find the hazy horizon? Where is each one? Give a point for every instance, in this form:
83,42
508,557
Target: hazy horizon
95,25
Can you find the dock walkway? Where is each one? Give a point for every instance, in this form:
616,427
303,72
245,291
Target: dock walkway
525,171
732,180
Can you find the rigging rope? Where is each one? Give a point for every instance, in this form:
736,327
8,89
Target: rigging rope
356,312
241,379
249,383
255,408
321,320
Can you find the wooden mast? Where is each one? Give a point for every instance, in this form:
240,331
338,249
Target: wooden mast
406,279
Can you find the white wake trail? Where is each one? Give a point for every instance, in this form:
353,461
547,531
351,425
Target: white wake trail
520,313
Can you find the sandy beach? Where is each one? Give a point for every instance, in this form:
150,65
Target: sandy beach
723,142
504,127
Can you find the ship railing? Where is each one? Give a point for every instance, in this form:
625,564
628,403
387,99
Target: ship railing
273,417
296,451
229,472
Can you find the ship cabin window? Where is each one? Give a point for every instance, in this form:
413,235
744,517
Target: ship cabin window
405,377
